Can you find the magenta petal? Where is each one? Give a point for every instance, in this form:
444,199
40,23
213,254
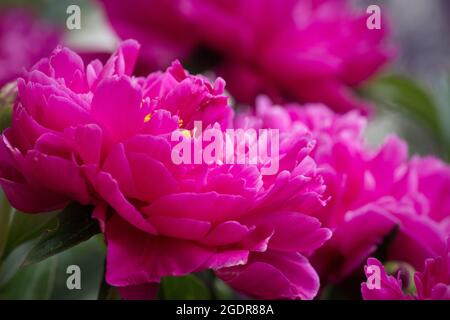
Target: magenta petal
25,130
127,54
61,112
134,257
180,228
228,258
151,177
108,188
116,106
116,164
419,238
226,233
390,288
56,174
209,206
153,146
65,63
87,141
286,276
354,241
294,231
32,199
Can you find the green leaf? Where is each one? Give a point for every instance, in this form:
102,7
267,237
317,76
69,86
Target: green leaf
72,226
223,291
183,288
13,261
90,257
5,222
7,96
407,272
443,96
34,282
25,227
403,94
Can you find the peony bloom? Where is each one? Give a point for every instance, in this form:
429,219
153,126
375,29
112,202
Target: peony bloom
431,284
375,195
97,135
303,50
23,41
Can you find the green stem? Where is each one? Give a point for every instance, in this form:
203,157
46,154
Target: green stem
6,213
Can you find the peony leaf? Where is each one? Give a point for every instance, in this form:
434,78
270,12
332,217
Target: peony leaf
7,97
183,288
11,265
5,222
401,93
25,227
71,227
34,282
222,290
443,96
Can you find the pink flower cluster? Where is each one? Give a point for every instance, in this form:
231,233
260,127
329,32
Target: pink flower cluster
301,50
97,135
375,196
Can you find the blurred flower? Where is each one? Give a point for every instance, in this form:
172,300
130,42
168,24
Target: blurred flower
99,136
431,284
301,50
23,41
375,195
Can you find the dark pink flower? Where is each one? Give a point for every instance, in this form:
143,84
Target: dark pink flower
97,135
372,192
302,50
23,41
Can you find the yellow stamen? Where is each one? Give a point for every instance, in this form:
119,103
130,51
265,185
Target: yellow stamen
147,118
180,123
186,133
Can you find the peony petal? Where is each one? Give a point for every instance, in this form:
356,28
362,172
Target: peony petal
134,257
286,276
209,206
116,106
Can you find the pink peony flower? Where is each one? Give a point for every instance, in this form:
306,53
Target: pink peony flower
23,41
99,136
303,50
431,284
373,193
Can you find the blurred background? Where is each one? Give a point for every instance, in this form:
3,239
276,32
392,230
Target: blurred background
420,32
